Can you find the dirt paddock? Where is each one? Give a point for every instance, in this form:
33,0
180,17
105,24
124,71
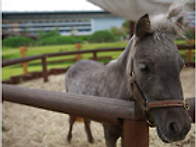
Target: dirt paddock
25,126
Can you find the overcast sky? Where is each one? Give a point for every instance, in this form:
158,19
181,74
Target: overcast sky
47,5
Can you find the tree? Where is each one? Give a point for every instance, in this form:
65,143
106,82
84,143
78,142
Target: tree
118,32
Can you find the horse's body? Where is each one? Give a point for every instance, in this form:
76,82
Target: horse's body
157,65
92,78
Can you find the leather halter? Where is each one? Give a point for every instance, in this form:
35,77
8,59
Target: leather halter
154,104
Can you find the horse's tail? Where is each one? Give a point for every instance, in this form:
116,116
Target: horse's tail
68,79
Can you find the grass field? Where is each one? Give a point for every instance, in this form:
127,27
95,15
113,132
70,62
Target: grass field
12,53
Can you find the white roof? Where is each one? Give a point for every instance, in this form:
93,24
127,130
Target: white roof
133,9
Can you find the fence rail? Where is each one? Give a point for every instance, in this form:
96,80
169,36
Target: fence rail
105,109
119,112
185,47
21,60
27,59
44,57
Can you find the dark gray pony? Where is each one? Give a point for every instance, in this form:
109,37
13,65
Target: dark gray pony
153,57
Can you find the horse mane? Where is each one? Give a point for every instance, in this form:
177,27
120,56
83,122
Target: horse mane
165,25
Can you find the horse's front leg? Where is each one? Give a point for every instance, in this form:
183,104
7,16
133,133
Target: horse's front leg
111,133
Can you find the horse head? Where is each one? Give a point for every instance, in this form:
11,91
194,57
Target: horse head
154,67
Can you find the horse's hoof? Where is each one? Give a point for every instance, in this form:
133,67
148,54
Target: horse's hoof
91,140
69,139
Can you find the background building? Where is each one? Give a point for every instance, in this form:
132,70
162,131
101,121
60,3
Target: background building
66,22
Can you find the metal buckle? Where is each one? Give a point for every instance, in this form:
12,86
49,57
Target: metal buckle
151,124
186,104
147,108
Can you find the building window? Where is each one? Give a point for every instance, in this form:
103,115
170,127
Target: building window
67,31
80,30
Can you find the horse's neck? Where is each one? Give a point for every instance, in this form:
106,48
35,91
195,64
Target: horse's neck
122,60
119,67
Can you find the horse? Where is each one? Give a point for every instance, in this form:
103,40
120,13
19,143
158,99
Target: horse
150,64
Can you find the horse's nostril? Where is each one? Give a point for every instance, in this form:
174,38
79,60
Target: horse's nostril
173,127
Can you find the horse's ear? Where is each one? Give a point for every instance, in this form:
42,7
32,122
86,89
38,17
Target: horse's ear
180,22
142,27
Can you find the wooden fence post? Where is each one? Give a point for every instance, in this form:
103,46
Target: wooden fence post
131,28
190,54
23,50
95,55
78,45
136,133
44,67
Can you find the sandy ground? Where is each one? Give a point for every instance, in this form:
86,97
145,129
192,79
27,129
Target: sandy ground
25,126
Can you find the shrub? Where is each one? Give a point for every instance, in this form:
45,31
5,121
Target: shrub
118,32
57,40
82,38
54,38
190,32
49,34
102,36
17,41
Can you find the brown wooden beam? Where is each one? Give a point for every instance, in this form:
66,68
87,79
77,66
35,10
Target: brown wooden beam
131,28
136,133
21,60
96,108
26,59
44,69
106,109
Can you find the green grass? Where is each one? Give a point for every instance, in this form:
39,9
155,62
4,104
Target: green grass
179,42
12,53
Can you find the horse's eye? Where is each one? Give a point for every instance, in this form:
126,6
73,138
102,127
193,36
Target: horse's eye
144,68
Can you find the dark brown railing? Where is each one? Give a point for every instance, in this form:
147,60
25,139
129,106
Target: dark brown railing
45,72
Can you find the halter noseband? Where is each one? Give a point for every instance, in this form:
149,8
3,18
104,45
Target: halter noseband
154,104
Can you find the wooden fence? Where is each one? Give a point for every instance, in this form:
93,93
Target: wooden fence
121,112
114,111
45,72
